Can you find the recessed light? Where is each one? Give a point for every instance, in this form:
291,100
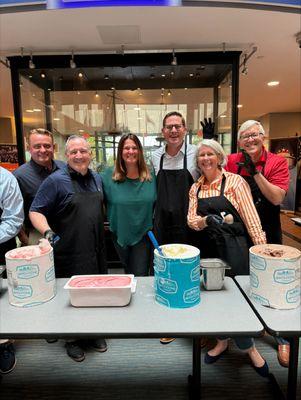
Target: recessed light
37,110
163,75
42,75
56,119
191,75
78,92
29,111
80,74
49,89
273,83
223,116
81,130
239,105
185,88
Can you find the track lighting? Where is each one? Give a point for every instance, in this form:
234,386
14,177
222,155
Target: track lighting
72,62
174,58
31,64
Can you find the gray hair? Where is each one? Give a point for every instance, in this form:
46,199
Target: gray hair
74,137
247,125
216,147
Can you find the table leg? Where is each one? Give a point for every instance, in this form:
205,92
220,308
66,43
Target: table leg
194,380
293,368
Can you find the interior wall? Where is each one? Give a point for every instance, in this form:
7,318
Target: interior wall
280,125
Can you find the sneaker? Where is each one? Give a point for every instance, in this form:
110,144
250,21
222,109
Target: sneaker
51,340
166,340
98,345
74,351
7,358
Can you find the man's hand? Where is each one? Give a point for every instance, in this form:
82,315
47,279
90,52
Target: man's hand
248,164
51,237
214,220
208,129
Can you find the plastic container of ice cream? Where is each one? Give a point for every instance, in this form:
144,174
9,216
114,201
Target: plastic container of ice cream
100,290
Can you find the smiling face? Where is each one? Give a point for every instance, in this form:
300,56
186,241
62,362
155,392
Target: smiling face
78,155
130,153
174,131
208,161
41,149
252,142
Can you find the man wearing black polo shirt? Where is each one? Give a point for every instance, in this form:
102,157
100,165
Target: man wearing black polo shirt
31,174
69,205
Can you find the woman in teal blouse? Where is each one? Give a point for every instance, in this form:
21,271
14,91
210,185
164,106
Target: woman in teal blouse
130,194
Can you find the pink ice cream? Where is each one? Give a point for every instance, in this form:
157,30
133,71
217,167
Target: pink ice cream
29,252
100,281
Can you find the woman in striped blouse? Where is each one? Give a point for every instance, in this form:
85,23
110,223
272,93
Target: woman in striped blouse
222,210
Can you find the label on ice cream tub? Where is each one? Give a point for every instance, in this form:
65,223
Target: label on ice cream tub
177,276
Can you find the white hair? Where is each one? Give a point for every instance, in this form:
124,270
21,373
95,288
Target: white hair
247,125
216,147
75,137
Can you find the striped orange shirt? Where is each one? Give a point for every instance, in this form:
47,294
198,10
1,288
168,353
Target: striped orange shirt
238,192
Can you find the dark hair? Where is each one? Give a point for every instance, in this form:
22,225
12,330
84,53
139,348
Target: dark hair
119,173
40,131
171,114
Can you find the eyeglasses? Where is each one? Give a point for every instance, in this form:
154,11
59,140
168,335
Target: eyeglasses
252,135
170,127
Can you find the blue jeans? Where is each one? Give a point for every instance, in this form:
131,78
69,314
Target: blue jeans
136,258
243,343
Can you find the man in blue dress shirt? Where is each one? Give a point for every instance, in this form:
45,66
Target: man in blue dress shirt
11,220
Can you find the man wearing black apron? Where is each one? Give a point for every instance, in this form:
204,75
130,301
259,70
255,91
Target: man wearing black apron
11,220
268,177
68,211
175,170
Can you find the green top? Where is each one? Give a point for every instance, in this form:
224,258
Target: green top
130,206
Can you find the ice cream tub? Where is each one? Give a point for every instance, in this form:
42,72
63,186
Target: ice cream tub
100,290
275,275
177,276
30,275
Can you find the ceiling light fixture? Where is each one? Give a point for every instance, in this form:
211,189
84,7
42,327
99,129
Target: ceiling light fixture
42,75
80,74
169,93
239,106
72,62
174,58
106,77
96,94
152,76
191,75
31,64
273,83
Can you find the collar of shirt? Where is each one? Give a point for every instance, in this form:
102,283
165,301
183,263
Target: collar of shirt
215,184
77,175
41,168
182,150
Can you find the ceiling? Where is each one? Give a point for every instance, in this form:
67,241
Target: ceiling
271,34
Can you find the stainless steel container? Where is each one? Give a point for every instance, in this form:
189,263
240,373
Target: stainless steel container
213,271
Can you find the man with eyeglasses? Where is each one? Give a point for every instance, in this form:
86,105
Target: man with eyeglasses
31,175
68,211
175,171
268,178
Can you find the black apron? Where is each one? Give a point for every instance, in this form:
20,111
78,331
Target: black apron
230,242
170,224
269,214
6,246
80,249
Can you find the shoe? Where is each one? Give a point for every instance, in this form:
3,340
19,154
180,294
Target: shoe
203,342
166,340
262,371
7,358
74,351
51,340
98,345
283,355
208,359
